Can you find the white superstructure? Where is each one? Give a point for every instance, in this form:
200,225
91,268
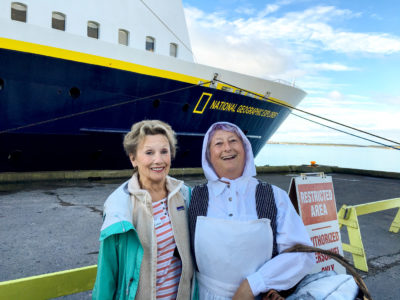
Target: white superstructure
164,21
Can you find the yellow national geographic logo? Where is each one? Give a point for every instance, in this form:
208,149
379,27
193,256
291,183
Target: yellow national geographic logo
231,107
202,103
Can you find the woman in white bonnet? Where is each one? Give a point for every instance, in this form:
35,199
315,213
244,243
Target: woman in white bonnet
240,226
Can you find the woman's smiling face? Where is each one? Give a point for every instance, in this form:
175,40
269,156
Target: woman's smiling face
227,154
153,159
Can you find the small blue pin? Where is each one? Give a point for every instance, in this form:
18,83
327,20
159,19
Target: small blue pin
180,208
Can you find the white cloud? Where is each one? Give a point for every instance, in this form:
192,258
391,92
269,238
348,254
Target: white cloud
317,84
294,32
349,42
288,47
270,8
365,116
216,42
329,67
335,95
245,10
389,100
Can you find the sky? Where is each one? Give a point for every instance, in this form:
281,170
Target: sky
344,54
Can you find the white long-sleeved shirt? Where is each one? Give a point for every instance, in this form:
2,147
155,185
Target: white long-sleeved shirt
236,201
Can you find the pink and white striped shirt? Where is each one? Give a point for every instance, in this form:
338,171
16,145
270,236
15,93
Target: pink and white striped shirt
169,267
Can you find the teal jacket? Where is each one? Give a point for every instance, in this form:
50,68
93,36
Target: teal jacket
120,255
121,252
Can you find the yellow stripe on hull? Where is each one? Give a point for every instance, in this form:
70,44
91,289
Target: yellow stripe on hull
70,55
94,60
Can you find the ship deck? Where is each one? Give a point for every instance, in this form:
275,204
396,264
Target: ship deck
50,226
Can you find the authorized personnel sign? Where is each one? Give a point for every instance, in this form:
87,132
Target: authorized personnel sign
313,196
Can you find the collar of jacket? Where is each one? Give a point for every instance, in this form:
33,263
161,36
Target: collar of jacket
118,208
173,186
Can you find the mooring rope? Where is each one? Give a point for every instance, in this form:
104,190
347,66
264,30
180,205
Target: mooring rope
100,108
223,82
352,134
317,116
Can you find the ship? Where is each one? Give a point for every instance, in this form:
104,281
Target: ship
75,75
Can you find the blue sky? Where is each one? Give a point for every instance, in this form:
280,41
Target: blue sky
344,54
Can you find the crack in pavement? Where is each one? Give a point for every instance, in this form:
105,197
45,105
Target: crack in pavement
96,210
382,263
65,203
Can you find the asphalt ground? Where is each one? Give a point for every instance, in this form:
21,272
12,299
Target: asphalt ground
53,226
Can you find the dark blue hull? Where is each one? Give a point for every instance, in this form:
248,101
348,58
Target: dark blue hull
58,114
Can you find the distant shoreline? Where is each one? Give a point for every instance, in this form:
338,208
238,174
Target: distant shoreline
329,144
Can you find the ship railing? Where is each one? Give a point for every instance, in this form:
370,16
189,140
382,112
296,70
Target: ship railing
285,82
237,90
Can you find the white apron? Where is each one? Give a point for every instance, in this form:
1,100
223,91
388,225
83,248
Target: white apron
227,251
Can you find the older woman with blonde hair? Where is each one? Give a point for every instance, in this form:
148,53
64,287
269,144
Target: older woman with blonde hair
145,251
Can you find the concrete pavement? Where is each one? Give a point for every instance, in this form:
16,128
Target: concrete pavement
54,226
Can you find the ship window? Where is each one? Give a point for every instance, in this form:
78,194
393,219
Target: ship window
150,43
185,107
18,11
93,29
156,103
58,21
226,88
123,37
173,49
74,92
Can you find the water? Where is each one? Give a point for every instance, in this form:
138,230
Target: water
367,158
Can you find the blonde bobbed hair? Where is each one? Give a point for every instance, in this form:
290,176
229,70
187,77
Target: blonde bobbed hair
148,127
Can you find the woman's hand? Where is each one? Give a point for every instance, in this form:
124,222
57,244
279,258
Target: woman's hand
273,295
243,292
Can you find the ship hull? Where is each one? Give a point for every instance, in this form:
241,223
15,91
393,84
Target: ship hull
59,114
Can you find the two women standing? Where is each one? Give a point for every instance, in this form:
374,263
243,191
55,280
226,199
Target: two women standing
238,225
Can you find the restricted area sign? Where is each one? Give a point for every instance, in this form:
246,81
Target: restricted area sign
313,196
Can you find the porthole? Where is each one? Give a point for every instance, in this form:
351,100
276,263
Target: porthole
74,92
58,21
156,103
1,84
123,37
15,155
185,107
150,43
18,12
173,50
93,29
